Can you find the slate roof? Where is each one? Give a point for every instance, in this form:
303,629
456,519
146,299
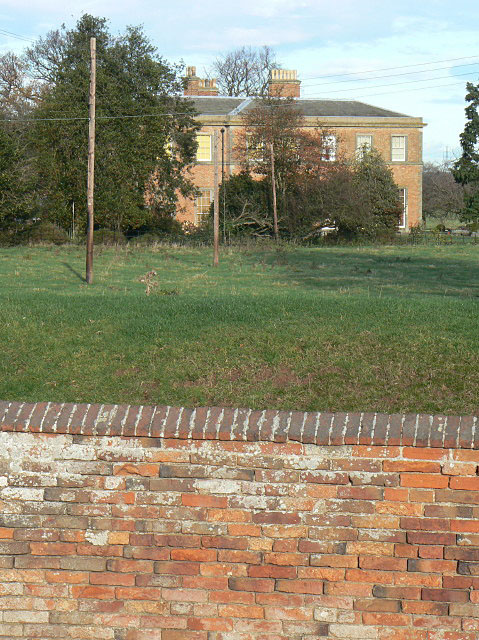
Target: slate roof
221,105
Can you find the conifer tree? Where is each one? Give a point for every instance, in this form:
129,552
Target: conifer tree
466,169
144,127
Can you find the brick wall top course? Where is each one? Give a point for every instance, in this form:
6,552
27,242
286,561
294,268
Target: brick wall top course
216,423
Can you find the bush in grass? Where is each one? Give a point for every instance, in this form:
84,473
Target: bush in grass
108,237
147,239
43,233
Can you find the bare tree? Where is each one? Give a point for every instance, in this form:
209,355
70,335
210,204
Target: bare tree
17,91
273,143
443,197
244,71
46,56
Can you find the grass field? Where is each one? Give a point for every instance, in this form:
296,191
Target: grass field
371,328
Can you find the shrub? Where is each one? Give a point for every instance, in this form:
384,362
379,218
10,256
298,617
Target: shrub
108,237
43,232
146,239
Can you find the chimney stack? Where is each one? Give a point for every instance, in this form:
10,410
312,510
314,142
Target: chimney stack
195,86
284,83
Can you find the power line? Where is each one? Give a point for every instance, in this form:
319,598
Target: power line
15,35
405,66
384,93
122,117
394,84
393,75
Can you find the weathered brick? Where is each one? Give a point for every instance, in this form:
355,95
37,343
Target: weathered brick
420,537
397,592
11,547
258,585
426,524
431,566
240,611
445,595
424,480
383,606
464,483
300,586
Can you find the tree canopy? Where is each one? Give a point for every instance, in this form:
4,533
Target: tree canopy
145,131
245,71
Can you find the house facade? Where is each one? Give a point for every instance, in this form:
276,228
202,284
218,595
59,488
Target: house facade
350,126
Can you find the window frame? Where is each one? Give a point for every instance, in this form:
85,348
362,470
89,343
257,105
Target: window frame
200,214
203,135
329,151
403,195
404,137
359,147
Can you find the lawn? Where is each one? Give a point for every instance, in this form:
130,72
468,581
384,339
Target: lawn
340,328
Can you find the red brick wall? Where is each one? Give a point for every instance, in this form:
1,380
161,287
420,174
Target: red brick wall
157,523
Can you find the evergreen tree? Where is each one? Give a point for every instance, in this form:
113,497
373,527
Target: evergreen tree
379,208
466,169
145,131
14,205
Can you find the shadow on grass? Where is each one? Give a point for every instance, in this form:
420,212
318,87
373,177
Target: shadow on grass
402,274
78,275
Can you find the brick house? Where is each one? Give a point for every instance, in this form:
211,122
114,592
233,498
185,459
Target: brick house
350,125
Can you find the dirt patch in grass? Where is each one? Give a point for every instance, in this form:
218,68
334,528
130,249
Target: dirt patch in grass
281,377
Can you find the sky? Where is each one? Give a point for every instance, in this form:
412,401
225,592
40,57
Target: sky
409,56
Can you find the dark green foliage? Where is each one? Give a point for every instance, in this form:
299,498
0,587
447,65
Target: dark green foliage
245,207
131,81
146,239
108,237
466,169
359,200
13,197
43,233
377,198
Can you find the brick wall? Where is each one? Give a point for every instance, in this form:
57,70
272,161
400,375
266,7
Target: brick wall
157,523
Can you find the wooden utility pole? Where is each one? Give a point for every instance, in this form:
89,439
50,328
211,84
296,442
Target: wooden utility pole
216,205
223,180
91,162
273,183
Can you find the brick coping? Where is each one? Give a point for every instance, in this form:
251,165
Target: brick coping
247,425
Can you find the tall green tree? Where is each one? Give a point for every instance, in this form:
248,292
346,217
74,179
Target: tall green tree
466,169
9,196
377,195
145,131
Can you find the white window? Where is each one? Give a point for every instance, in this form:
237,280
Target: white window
203,153
202,204
403,199
329,147
363,142
398,148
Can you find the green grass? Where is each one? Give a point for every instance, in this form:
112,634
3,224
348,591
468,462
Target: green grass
370,328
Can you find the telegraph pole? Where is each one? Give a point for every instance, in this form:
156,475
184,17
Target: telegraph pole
223,186
216,204
273,183
91,162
